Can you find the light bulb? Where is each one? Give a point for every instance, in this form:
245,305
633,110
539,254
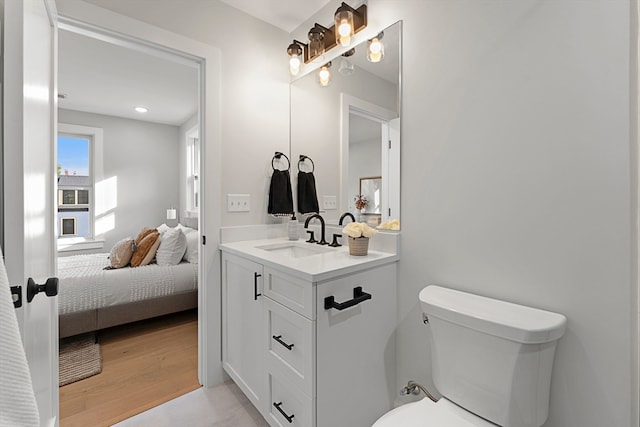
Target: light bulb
344,25
376,50
294,65
324,76
316,42
295,53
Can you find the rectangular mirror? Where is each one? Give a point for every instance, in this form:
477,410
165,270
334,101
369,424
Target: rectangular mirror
351,128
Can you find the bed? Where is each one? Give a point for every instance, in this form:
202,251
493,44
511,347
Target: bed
91,297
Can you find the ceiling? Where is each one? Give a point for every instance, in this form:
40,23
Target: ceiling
284,14
103,78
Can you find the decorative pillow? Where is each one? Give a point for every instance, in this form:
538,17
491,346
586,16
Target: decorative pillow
121,253
143,233
173,244
146,247
191,254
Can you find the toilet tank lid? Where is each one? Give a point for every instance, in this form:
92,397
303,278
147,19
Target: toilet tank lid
499,318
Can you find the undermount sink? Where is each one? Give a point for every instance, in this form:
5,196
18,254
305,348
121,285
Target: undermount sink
295,249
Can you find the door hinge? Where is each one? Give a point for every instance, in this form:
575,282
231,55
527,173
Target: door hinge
204,240
16,295
389,144
389,211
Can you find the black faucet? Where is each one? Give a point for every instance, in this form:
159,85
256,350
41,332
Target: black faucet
306,225
344,215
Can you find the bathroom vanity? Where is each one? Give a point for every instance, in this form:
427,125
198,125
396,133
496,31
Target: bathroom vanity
308,331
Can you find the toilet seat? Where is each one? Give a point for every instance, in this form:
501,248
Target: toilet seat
426,413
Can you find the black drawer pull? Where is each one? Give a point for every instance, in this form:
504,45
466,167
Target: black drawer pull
358,297
255,286
288,346
284,414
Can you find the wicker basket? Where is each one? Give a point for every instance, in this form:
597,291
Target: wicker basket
358,246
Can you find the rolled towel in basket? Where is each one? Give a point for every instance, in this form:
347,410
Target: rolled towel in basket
307,196
280,194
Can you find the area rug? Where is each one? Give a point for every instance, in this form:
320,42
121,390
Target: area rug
79,358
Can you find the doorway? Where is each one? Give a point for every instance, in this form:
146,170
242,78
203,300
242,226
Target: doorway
97,92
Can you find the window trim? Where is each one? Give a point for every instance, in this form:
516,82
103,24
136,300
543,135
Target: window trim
96,151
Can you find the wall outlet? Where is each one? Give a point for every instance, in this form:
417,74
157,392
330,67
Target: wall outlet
238,202
330,202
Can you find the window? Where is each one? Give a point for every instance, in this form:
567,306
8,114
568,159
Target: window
79,168
73,197
193,171
68,226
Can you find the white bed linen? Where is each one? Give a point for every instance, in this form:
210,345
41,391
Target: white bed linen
85,285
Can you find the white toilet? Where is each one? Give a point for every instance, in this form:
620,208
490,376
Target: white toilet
491,361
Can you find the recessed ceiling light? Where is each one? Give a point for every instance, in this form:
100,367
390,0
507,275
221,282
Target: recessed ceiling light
141,109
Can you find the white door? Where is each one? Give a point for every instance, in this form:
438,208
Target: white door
30,37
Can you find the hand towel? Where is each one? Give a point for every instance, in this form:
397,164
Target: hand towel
17,400
307,197
280,195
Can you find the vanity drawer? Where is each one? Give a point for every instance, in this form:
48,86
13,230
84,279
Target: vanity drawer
288,407
291,348
293,293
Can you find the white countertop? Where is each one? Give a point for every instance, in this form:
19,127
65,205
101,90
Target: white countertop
315,268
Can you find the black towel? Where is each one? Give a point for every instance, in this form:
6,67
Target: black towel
280,195
307,197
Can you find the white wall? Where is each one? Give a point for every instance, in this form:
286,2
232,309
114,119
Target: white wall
254,88
143,157
516,180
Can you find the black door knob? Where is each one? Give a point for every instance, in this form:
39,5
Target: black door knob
50,288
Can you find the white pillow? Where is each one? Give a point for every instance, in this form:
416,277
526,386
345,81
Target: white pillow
191,254
162,228
173,244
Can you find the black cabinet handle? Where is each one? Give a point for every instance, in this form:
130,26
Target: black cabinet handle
358,296
278,338
284,414
255,286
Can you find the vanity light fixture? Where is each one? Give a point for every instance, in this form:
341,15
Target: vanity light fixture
322,39
324,75
298,53
375,48
141,109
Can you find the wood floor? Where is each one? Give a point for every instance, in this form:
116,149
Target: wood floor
144,365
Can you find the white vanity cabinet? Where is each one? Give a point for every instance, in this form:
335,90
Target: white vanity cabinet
243,338
327,348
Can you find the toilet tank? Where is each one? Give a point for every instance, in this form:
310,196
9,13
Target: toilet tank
491,357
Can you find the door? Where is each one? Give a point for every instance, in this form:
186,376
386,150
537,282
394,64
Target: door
243,332
29,36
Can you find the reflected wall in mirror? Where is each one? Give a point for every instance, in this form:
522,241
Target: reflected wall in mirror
371,193
351,128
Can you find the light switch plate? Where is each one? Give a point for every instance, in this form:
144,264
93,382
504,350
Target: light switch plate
238,203
329,202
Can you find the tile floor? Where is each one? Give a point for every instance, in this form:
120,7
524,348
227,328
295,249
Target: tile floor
221,406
